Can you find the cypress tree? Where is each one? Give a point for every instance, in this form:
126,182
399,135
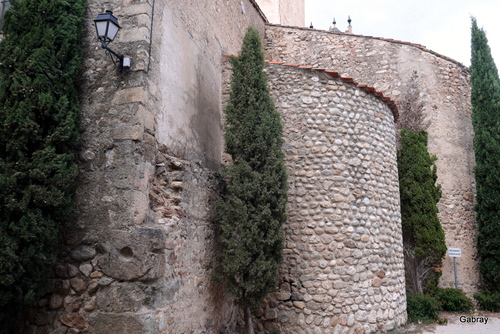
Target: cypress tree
252,211
485,98
423,236
39,132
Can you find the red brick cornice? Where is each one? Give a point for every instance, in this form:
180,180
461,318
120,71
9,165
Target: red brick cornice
363,86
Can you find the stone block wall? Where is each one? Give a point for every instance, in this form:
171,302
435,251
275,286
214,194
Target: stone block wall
188,40
445,91
137,255
343,260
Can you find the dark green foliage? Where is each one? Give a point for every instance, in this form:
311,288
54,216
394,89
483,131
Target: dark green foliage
422,308
454,300
431,283
488,300
39,122
252,211
423,236
485,98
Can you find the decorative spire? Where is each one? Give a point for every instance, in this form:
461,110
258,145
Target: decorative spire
349,28
334,28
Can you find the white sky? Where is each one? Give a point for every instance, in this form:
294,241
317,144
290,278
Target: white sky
440,25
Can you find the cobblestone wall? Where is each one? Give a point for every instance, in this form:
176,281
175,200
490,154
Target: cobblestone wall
343,261
445,91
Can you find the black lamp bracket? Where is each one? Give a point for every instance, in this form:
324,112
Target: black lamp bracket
119,58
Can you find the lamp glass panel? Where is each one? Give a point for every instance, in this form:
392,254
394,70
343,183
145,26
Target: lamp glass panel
112,30
101,28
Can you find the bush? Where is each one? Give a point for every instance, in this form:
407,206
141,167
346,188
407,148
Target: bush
454,300
488,300
422,308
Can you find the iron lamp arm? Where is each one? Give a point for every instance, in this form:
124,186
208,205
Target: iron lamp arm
113,53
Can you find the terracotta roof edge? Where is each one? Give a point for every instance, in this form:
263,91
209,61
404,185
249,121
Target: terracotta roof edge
362,86
391,104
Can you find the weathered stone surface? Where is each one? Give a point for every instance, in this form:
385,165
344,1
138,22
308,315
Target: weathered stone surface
283,296
117,323
56,301
135,35
73,320
133,132
105,281
78,284
73,303
90,305
134,256
120,297
60,330
83,253
130,95
271,314
86,269
299,305
95,274
160,293
72,270
93,287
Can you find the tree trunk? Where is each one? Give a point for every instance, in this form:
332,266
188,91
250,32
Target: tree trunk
248,321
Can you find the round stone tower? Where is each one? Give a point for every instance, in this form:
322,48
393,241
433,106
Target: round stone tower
343,261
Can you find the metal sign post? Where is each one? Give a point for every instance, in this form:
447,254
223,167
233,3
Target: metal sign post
454,253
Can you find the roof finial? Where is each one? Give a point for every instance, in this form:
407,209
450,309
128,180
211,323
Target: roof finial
334,28
349,28
311,26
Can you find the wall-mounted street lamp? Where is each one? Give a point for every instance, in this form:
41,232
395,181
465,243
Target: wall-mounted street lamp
107,27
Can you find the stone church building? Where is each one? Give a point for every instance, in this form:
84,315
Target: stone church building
138,255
